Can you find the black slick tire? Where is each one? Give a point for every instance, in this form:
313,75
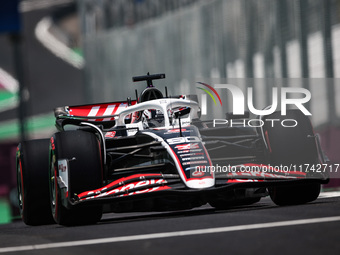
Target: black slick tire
82,150
32,182
292,146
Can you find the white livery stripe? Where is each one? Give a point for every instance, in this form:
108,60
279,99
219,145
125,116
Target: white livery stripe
121,107
109,111
94,111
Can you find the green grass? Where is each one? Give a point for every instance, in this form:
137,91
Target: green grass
7,99
5,212
78,51
5,95
11,129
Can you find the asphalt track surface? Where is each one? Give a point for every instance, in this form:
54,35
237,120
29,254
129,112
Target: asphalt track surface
262,228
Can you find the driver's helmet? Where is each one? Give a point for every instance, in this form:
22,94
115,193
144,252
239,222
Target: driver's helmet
152,118
147,95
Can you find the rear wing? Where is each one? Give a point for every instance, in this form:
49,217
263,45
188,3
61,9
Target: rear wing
93,112
101,112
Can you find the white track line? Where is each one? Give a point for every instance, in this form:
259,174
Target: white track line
27,6
8,81
169,234
329,194
55,46
11,85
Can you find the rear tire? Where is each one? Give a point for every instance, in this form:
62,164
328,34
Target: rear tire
84,173
292,146
295,195
32,182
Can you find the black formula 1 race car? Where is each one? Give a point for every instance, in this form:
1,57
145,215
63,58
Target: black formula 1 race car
155,154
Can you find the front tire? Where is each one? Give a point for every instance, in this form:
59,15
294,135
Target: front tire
82,152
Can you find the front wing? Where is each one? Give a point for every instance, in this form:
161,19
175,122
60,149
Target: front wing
141,186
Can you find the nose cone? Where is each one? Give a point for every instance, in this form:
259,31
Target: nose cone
200,183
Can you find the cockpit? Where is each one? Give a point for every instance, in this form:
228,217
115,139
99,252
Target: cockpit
159,113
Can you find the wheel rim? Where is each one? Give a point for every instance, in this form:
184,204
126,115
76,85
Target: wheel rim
53,185
20,188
